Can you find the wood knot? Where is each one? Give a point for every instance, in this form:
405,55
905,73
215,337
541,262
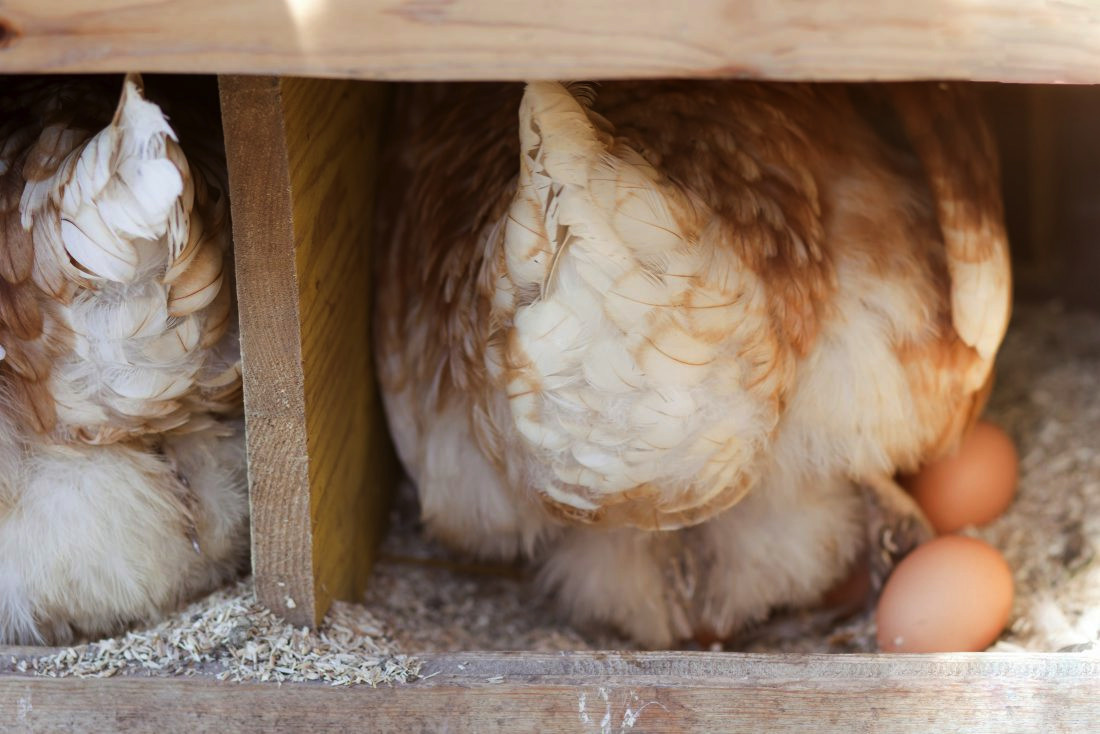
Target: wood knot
8,33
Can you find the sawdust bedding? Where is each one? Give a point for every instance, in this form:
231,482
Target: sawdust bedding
420,600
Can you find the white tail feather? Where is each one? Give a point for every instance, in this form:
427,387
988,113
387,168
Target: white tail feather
122,206
613,386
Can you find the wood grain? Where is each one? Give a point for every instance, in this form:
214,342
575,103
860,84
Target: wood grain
598,692
1007,40
300,156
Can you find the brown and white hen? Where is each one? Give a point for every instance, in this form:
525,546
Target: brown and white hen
661,337
122,488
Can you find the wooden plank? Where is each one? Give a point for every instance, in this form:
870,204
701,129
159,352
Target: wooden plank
1007,40
597,692
300,156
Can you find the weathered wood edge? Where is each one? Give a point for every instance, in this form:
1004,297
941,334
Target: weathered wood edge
271,350
995,40
477,668
300,154
332,136
602,692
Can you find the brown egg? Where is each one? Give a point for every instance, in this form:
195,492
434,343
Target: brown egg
972,487
952,594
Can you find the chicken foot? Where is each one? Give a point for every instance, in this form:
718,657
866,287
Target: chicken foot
895,526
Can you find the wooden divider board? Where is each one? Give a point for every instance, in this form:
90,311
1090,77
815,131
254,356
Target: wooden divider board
301,163
599,693
993,40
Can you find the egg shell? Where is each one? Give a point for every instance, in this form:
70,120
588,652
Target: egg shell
952,594
973,486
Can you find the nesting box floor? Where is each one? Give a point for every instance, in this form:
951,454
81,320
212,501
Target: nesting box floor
1047,396
421,599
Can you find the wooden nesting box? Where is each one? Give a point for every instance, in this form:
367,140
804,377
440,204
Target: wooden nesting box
300,150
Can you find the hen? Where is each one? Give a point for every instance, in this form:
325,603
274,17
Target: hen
122,487
663,337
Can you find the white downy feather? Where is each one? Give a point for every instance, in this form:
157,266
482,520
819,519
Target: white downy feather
91,536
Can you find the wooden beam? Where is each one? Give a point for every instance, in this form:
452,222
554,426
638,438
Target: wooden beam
1001,40
602,692
300,156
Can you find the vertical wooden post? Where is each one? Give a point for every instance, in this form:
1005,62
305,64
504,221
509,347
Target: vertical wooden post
301,156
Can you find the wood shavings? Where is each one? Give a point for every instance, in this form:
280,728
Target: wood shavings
1048,399
231,636
436,605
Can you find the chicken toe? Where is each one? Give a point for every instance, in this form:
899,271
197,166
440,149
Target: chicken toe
895,526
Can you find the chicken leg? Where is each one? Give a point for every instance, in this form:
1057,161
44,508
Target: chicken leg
895,526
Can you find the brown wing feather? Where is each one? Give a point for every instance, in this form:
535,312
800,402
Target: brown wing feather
958,153
959,156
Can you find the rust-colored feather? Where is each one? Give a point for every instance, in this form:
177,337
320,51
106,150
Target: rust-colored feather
19,311
36,404
17,253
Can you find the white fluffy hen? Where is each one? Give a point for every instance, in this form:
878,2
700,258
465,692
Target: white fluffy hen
122,486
